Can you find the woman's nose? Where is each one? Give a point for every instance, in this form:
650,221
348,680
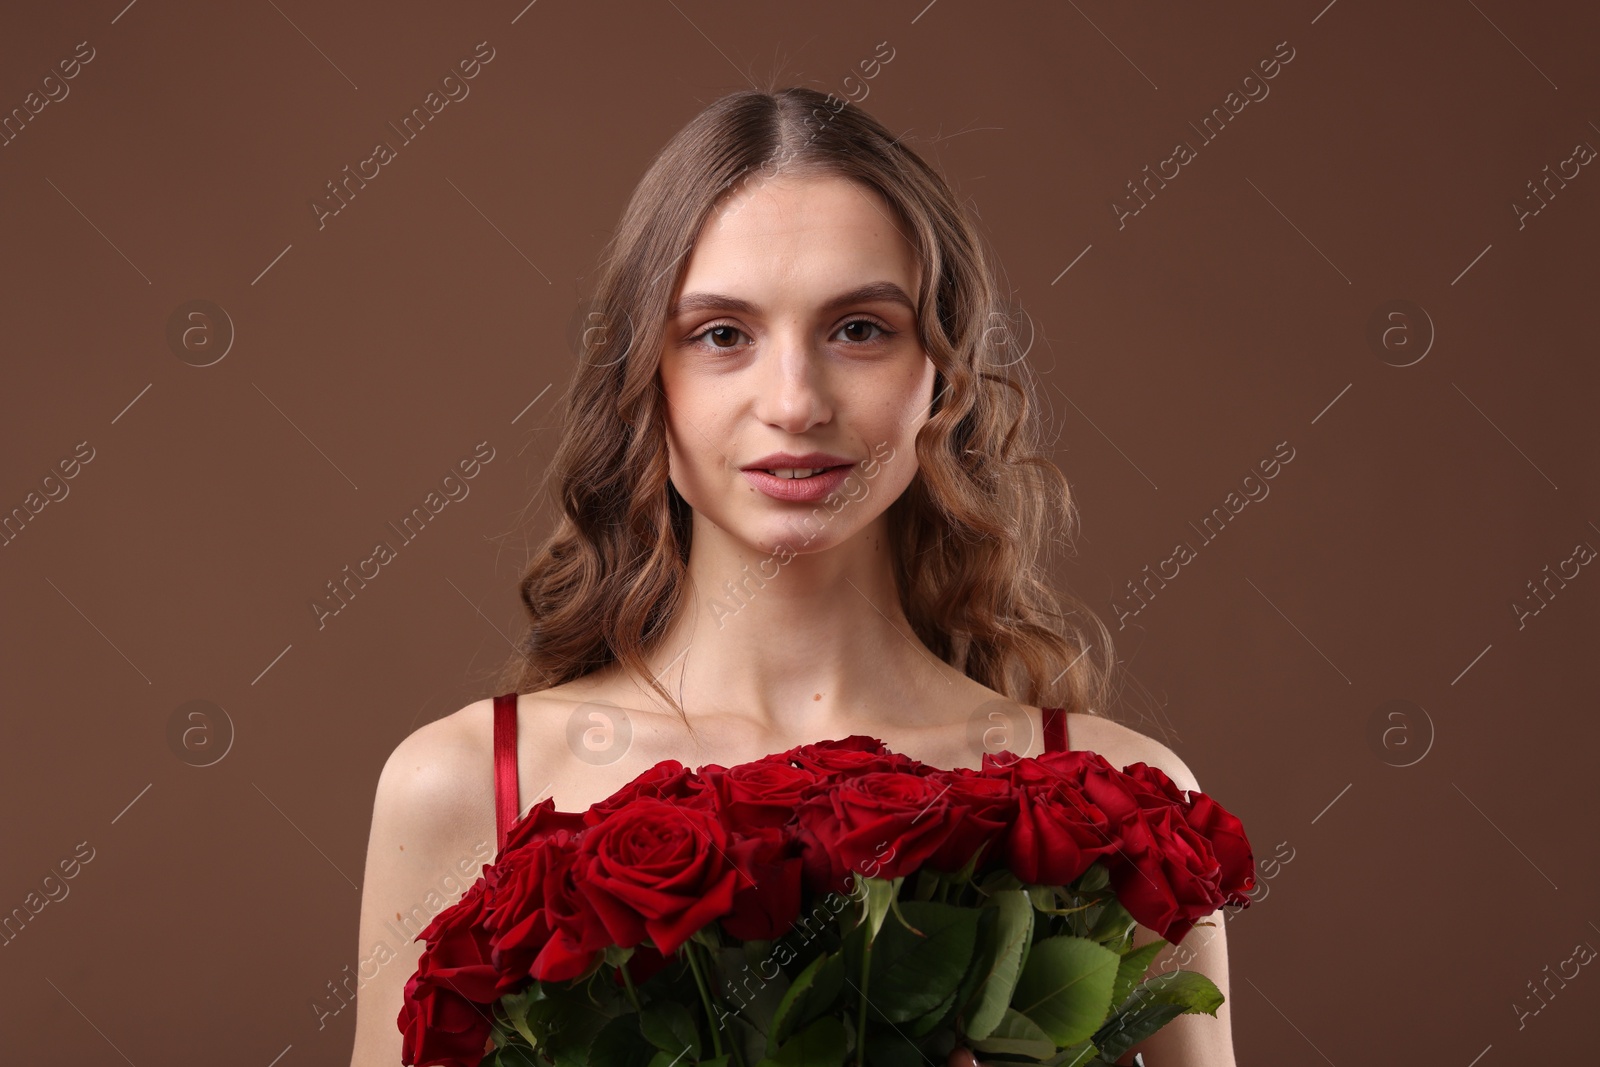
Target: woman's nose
794,388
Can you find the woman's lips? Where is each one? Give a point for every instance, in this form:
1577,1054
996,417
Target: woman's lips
799,489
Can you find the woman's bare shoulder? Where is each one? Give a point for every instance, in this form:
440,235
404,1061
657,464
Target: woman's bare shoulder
432,828
441,772
1123,745
447,765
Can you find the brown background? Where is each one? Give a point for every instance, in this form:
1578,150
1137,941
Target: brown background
370,355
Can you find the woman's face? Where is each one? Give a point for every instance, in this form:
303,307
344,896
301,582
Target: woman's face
794,330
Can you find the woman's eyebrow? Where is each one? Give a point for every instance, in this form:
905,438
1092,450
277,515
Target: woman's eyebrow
862,294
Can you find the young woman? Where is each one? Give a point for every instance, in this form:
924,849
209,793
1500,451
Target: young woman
799,498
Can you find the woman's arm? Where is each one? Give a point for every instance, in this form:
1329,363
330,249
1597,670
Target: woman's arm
431,814
1190,1040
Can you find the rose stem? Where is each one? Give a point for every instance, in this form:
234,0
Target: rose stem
705,997
861,1015
627,980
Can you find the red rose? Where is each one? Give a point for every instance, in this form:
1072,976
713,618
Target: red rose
1151,790
539,926
881,824
667,780
1227,838
760,794
445,1017
1165,873
1163,869
541,819
767,900
848,758
657,869
1057,835
1050,768
991,806
1153,787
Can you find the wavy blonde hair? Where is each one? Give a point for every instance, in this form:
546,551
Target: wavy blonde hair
968,532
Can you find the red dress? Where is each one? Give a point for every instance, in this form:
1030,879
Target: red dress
507,799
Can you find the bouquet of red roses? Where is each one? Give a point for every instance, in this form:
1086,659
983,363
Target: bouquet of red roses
834,904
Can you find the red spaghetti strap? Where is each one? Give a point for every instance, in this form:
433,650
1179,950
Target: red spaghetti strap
506,801
1055,730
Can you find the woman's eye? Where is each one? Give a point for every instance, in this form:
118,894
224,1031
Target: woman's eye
721,328
723,337
865,322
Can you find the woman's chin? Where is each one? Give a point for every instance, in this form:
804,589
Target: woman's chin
785,541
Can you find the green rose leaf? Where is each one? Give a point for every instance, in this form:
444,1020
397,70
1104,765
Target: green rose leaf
1012,937
1042,896
620,1044
926,1023
1065,987
1017,1035
1113,925
998,879
822,1044
567,1024
978,969
516,1008
911,975
1081,1055
788,1013
1130,972
749,1045
1096,878
670,1027
754,996
825,992
1152,1005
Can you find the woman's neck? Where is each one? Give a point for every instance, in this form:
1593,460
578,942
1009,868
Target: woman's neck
799,641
